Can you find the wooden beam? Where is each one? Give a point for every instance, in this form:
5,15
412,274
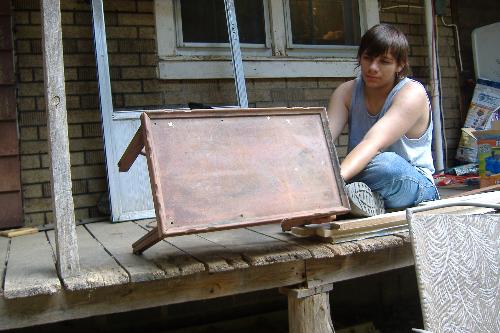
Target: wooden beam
309,309
67,305
57,125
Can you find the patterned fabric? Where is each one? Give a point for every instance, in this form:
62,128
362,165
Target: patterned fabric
457,260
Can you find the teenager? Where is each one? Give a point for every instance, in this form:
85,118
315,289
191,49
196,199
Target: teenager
389,159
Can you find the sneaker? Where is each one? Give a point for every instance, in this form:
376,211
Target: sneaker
364,202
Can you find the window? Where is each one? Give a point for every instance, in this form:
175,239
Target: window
204,22
278,38
324,22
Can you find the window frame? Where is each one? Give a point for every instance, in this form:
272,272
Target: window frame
305,50
275,60
187,48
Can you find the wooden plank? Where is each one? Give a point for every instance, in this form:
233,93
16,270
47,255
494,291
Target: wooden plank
68,305
310,314
57,127
215,257
318,247
4,250
289,179
30,270
98,268
257,249
172,260
357,226
18,232
372,258
117,240
133,150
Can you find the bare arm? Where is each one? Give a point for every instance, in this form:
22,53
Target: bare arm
408,114
338,108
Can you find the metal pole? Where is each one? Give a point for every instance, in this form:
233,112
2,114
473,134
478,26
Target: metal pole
434,81
234,42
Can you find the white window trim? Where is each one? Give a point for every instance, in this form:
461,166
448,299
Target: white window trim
179,63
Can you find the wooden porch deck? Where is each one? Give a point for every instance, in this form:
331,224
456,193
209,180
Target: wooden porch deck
177,269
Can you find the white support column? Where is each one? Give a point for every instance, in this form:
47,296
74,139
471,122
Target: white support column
68,262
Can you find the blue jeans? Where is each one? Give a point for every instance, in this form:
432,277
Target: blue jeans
398,182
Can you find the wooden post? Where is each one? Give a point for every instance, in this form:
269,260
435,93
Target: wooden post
68,263
309,309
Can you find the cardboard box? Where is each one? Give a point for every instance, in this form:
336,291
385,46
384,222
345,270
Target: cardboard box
482,112
467,147
488,144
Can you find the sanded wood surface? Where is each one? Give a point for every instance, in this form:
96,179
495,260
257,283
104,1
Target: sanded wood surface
4,248
98,268
31,270
18,232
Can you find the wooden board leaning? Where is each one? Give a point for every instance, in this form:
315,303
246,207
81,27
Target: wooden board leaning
222,169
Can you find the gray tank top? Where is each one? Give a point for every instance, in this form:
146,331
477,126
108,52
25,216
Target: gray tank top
416,151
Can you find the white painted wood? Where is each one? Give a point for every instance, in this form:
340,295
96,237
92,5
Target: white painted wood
130,193
278,29
368,14
57,126
134,199
106,103
98,268
165,27
31,270
169,45
265,68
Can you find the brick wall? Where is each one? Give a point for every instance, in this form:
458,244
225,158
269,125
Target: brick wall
410,18
132,56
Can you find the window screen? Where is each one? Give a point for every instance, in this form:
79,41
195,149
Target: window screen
324,22
204,21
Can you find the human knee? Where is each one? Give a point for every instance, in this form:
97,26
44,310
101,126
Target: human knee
387,164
